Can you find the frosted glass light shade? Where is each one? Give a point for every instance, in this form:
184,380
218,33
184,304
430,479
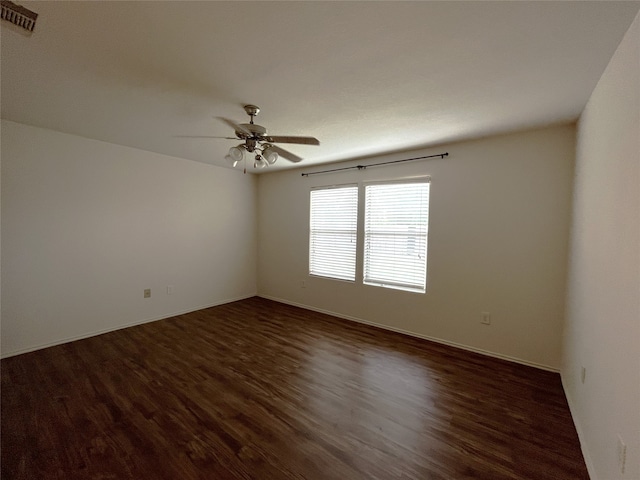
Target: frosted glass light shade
236,153
231,161
269,155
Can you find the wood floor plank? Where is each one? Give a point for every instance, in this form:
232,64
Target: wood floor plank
260,390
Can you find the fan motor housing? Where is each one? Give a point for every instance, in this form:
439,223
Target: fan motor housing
257,131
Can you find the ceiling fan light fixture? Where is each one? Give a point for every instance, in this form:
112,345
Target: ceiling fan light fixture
231,161
269,154
260,162
257,143
237,153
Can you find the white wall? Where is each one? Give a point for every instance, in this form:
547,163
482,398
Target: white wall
498,241
87,226
603,305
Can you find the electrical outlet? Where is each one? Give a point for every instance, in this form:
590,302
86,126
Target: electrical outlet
486,318
621,449
147,293
583,374
303,284
169,289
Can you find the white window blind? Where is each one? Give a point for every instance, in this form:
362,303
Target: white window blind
395,235
333,232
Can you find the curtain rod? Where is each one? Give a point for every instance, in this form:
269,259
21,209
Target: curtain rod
362,167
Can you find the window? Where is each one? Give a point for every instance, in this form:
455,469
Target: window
395,235
333,232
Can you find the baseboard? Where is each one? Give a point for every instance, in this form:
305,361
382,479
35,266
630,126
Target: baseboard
417,335
585,453
120,327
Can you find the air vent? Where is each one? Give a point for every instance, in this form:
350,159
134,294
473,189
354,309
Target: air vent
18,15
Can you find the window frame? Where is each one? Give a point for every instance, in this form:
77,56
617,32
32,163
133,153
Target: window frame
360,233
324,271
408,285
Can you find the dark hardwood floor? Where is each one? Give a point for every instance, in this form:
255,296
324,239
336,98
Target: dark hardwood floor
260,390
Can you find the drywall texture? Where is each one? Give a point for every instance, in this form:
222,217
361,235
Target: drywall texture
498,238
87,226
603,303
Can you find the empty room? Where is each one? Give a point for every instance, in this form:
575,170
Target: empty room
320,240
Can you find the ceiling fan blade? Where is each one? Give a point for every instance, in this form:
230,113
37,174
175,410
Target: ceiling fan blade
290,139
203,136
236,127
286,154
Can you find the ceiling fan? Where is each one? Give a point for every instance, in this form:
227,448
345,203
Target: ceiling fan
255,140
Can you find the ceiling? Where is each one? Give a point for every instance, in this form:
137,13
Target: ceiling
365,78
